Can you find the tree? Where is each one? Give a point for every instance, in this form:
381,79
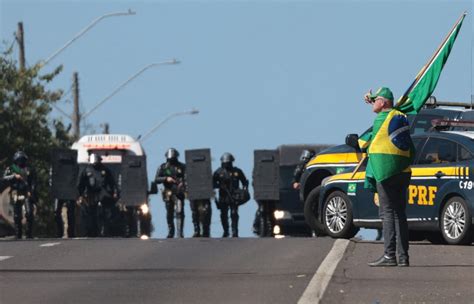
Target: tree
25,107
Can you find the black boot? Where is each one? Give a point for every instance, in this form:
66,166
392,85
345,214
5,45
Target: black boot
206,231
225,223
197,231
170,232
235,229
235,233
180,226
29,230
18,231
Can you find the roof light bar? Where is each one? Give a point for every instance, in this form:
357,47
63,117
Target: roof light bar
452,123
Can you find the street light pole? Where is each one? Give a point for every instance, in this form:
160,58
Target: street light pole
76,115
173,61
82,32
158,125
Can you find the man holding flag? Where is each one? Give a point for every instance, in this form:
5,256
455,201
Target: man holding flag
390,151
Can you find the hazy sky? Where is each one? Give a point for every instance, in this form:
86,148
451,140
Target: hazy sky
262,73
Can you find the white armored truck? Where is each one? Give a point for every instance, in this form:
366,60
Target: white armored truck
126,159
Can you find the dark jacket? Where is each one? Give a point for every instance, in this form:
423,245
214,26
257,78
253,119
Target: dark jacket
177,171
227,180
97,181
24,185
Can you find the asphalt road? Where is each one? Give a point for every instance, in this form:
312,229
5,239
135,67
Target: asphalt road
226,271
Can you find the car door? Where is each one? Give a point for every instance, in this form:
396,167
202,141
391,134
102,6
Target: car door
435,166
366,208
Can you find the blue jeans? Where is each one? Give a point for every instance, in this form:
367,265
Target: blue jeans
392,197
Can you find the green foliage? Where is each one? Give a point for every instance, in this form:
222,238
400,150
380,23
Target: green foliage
25,107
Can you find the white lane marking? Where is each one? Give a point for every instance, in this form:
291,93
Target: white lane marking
49,244
320,281
5,257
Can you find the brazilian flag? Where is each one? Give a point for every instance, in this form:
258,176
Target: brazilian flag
425,82
390,147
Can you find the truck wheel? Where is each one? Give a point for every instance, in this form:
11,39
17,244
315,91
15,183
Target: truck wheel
455,222
311,212
337,216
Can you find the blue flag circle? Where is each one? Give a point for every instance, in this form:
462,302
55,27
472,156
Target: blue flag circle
399,132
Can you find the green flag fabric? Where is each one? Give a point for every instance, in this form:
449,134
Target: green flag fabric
425,82
390,148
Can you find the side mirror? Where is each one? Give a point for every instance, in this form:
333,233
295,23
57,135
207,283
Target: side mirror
352,140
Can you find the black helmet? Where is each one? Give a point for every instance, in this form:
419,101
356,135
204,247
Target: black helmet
306,155
227,158
172,153
20,158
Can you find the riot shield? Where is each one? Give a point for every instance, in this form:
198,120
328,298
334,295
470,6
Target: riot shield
266,175
133,180
64,173
198,174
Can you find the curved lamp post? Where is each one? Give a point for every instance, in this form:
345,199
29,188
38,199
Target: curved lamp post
83,31
172,61
158,125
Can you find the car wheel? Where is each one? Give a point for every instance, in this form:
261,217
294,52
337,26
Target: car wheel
455,222
337,216
311,212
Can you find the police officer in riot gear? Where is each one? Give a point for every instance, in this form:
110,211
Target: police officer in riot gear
96,185
227,179
22,181
171,175
305,157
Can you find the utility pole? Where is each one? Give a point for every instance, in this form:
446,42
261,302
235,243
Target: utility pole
76,116
21,43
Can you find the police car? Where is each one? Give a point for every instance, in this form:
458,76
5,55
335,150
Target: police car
345,157
440,196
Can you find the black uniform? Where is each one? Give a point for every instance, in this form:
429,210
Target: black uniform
97,185
227,179
22,181
173,193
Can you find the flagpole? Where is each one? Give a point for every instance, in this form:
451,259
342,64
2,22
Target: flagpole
402,99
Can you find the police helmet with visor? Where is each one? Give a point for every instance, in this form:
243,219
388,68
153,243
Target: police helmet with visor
172,154
20,158
227,158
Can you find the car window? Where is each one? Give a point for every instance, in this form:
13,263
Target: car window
437,151
464,154
418,143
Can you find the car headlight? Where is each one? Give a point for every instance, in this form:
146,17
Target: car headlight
276,230
282,215
144,208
